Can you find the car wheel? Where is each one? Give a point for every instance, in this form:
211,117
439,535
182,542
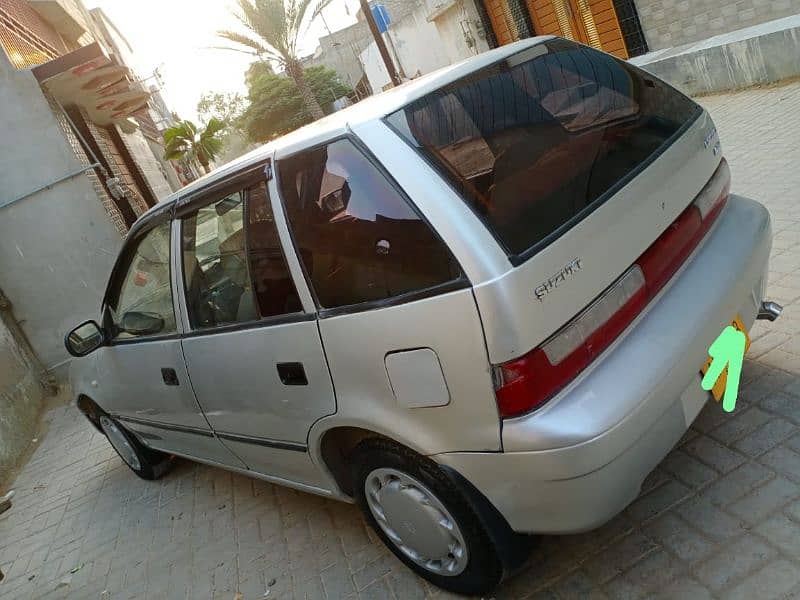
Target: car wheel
424,519
146,463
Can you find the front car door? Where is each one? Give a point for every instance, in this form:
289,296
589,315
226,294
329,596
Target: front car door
252,347
141,376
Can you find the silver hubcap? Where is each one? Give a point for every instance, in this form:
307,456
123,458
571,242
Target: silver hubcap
120,443
416,521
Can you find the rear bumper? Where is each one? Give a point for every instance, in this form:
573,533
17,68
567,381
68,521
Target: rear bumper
578,461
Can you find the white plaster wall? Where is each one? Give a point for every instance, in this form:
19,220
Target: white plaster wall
424,45
449,25
57,246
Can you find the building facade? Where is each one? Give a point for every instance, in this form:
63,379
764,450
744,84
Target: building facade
421,36
77,168
626,28
611,25
669,23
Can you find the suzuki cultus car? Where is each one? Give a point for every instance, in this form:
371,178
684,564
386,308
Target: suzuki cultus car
477,305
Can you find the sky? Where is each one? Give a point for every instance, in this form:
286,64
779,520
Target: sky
176,36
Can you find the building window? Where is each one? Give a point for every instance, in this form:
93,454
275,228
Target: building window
631,27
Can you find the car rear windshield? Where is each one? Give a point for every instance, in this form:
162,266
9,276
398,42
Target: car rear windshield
537,141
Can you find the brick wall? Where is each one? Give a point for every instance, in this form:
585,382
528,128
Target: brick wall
668,23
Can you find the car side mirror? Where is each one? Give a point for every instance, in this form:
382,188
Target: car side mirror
141,323
84,339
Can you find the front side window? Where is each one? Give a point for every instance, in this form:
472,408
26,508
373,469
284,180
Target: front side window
232,273
534,142
357,236
144,304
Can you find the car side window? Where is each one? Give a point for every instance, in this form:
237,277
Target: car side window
357,236
233,275
144,304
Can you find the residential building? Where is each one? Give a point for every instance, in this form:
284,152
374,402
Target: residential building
430,35
77,165
422,36
145,143
339,51
626,28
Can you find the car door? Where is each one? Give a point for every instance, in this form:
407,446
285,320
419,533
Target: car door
252,347
141,375
398,319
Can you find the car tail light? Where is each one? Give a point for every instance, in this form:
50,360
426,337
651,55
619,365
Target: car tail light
524,384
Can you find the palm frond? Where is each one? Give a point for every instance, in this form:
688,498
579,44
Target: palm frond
272,28
267,20
244,40
213,127
174,153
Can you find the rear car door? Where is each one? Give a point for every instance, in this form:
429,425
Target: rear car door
397,316
252,349
142,378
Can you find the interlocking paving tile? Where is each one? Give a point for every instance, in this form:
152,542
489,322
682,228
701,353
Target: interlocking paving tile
721,512
681,539
735,560
766,499
783,532
687,469
773,581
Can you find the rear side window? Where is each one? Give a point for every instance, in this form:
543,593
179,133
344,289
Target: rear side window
357,236
535,142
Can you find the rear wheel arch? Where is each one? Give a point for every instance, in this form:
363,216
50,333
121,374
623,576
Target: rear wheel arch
498,546
335,447
338,444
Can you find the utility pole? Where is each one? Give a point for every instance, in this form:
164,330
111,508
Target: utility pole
376,34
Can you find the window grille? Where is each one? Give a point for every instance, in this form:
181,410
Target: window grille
22,46
631,27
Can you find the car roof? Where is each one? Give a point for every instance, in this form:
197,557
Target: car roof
339,123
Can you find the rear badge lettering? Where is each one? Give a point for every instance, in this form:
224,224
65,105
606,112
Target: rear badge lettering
716,148
710,138
556,280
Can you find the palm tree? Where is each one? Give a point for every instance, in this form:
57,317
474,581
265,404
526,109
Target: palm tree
273,28
184,139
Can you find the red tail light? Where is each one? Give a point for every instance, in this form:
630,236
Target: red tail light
526,383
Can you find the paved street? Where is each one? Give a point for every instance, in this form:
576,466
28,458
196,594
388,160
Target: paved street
719,518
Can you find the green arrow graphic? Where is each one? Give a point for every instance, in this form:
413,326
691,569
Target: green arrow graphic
727,350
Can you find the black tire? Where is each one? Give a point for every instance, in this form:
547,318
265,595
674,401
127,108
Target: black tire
148,464
484,569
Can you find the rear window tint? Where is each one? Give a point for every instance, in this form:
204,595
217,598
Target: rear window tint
537,141
358,238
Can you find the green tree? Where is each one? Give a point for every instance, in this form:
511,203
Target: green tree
226,107
277,107
185,140
273,28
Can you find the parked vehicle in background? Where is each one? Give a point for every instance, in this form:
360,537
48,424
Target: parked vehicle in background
477,305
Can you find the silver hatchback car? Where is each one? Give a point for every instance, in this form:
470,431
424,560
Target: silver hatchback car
477,305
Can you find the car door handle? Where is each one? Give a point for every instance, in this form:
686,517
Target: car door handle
170,377
292,373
